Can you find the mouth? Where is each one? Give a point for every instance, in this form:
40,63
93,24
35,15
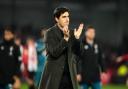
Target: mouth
66,22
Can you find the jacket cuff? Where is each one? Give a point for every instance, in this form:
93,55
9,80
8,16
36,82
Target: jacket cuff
64,43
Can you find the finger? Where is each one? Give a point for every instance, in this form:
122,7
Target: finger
75,30
67,31
64,31
81,26
65,27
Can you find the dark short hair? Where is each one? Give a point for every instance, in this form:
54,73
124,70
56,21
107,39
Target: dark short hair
9,29
89,27
60,10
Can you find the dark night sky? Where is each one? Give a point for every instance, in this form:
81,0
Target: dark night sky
109,17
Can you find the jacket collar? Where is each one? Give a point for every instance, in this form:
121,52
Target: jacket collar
58,32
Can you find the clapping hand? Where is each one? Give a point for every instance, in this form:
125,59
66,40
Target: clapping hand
77,32
66,33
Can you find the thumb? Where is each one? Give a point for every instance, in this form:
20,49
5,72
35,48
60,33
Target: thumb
81,26
75,30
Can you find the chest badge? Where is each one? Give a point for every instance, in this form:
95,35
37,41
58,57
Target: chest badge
11,50
96,49
86,47
2,47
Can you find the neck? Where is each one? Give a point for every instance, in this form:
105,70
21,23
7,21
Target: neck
61,28
8,41
89,41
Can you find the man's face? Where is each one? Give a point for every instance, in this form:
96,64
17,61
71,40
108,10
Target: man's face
90,33
30,41
63,20
18,41
8,35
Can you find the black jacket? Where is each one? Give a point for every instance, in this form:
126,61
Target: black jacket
57,49
9,62
91,63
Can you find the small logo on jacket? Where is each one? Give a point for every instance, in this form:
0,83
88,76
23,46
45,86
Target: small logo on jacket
2,47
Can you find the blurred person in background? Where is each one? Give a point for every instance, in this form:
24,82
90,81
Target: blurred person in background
123,68
29,62
91,64
18,42
24,63
121,62
60,67
10,59
41,54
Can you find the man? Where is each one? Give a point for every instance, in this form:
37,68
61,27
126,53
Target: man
41,54
32,62
60,67
9,61
91,61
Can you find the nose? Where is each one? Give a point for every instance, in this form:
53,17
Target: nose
67,19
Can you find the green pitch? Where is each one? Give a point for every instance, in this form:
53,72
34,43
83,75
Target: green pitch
115,87
25,86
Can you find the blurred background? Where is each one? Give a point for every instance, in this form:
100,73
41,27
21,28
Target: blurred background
109,17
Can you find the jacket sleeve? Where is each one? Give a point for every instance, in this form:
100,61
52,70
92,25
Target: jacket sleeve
54,48
101,60
18,59
79,67
76,45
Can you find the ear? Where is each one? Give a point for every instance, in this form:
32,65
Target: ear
56,19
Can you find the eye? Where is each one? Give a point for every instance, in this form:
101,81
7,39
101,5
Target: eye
64,17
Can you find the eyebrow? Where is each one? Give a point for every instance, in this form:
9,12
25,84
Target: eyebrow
65,16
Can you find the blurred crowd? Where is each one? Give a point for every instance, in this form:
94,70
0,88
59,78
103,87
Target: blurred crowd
23,60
